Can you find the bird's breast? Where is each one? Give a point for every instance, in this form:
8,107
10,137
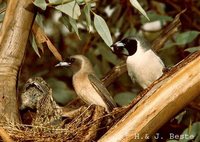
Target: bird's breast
86,91
145,68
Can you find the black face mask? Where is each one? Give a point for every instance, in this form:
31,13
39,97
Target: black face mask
130,45
128,48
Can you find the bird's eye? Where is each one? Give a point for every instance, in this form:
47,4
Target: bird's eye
72,60
117,49
121,50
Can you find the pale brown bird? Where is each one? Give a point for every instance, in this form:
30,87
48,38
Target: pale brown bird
87,86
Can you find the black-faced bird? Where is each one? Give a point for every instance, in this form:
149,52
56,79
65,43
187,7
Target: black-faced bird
143,64
87,86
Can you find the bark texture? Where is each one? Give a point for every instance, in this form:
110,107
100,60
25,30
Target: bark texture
13,38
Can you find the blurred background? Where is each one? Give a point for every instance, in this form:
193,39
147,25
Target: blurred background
78,36
123,20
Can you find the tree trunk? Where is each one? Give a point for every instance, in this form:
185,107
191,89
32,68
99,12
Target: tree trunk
13,38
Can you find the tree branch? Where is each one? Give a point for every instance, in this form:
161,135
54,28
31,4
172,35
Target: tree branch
161,102
13,38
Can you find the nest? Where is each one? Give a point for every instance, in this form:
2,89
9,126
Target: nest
46,121
89,125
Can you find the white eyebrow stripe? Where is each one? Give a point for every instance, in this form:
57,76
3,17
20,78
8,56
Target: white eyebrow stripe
63,64
119,43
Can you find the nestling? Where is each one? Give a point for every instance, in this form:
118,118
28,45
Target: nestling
87,86
143,64
33,91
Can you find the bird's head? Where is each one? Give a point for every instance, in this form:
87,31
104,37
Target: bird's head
33,91
127,46
76,63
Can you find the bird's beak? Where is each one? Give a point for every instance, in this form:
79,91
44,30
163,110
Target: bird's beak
63,64
112,48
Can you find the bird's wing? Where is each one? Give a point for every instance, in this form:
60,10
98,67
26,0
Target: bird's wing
131,75
152,53
102,91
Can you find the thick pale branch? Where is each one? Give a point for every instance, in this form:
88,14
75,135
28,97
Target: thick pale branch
161,102
8,19
14,35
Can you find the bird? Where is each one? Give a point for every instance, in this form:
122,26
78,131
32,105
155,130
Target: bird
37,95
86,84
33,91
143,64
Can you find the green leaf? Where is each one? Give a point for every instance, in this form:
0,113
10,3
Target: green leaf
34,44
186,37
81,2
193,49
102,29
182,39
64,19
70,24
192,133
72,9
124,98
61,93
130,32
2,16
55,1
180,116
41,4
86,11
107,53
136,4
74,26
2,5
154,17
39,20
168,46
